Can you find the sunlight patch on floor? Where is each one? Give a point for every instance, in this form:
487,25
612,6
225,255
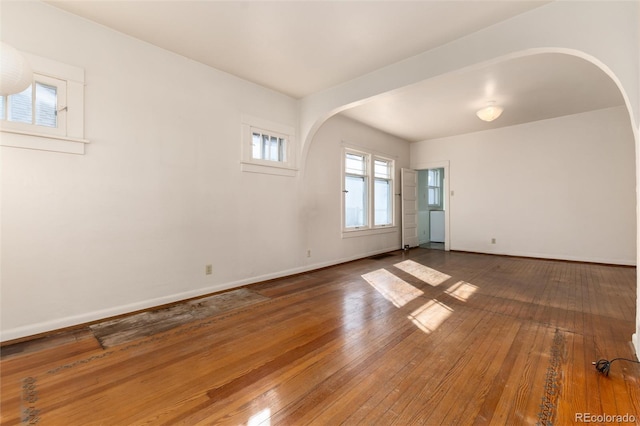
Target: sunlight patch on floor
429,316
394,289
423,273
461,290
263,418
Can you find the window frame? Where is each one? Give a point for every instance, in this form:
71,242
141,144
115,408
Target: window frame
281,140
365,176
251,125
389,179
66,138
370,226
61,107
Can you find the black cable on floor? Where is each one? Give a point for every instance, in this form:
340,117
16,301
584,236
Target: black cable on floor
603,366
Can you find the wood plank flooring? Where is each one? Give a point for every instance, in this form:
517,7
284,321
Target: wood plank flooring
420,337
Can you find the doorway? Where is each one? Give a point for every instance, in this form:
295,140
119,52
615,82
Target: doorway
431,208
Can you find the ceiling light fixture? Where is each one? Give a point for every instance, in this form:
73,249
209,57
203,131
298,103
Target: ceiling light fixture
490,112
15,72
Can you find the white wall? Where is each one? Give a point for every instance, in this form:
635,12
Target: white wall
561,188
158,195
323,190
132,223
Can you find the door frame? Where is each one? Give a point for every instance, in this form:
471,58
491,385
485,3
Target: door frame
447,193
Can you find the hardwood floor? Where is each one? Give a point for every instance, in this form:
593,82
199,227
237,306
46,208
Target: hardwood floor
423,337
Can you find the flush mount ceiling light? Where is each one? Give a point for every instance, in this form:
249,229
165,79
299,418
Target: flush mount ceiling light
490,112
15,71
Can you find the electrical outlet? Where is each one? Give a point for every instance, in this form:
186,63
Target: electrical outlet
309,253
493,241
208,269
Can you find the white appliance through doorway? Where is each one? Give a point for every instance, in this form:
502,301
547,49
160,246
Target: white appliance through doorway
436,226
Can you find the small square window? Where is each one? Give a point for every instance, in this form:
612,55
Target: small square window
49,114
36,110
268,147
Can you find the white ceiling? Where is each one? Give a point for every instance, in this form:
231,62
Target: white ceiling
302,47
529,88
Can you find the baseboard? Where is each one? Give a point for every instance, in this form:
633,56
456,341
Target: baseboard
100,315
635,340
549,256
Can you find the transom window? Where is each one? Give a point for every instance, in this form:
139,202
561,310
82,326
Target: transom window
368,191
268,147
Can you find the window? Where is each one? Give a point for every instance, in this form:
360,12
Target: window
368,191
355,190
434,187
383,192
49,114
268,147
37,110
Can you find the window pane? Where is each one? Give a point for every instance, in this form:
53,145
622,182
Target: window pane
355,164
355,201
383,202
256,145
2,107
434,196
275,148
276,154
434,177
21,107
382,169
272,148
267,147
282,153
46,104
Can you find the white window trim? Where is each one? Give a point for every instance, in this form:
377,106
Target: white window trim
71,140
367,179
370,228
254,165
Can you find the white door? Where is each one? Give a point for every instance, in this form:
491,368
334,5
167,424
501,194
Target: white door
409,183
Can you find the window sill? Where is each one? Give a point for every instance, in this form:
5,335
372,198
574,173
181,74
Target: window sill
43,142
268,169
368,231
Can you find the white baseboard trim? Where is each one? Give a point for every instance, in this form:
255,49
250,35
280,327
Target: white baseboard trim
551,256
635,340
88,317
